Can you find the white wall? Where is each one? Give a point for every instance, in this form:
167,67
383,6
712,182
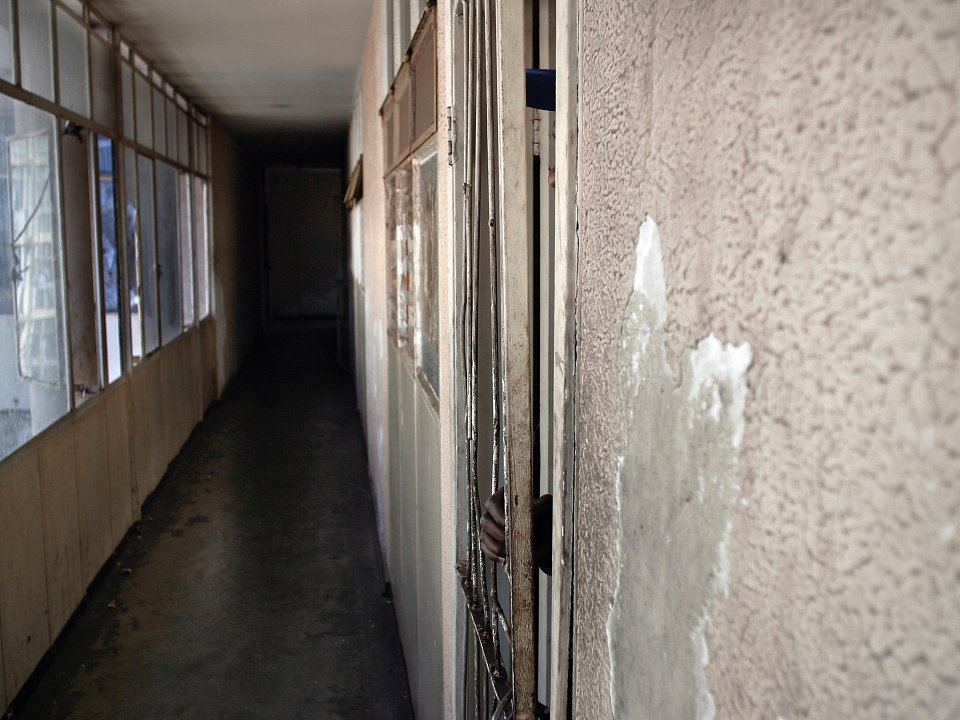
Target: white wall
403,427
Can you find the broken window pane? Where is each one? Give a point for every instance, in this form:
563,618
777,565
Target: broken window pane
168,252
425,278
34,383
36,47
73,65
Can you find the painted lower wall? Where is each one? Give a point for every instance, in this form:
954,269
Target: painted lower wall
411,485
68,497
768,442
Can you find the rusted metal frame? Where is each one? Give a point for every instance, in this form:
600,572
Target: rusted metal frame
496,612
482,588
468,342
484,637
564,357
515,345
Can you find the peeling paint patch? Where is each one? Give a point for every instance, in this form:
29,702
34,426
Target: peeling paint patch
676,491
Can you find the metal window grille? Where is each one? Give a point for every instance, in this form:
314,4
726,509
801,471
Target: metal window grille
500,669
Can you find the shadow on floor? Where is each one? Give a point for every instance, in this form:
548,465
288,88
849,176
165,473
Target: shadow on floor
252,588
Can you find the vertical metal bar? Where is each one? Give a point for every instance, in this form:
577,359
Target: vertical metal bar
515,300
468,320
490,585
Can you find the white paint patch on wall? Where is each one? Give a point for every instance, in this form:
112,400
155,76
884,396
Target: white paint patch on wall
676,491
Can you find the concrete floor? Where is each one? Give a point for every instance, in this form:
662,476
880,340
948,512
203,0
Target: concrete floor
253,587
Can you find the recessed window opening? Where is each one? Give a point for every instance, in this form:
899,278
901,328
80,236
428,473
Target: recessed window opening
34,380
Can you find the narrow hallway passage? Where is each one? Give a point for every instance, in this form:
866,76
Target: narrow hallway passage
252,588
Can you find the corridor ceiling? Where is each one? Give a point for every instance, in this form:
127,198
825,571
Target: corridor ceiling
262,67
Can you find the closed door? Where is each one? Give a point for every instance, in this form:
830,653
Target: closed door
305,242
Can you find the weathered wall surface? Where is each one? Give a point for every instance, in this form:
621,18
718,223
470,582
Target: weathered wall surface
372,88
801,162
68,497
405,446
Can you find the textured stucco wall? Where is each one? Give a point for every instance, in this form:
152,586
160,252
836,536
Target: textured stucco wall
802,164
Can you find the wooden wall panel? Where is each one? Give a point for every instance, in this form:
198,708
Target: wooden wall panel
93,488
208,329
197,368
68,497
124,509
61,532
170,400
139,433
156,411
23,578
3,684
151,425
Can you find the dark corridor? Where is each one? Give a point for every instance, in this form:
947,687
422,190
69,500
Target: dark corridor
252,587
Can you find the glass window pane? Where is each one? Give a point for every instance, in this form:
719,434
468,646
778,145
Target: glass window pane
404,230
126,91
34,383
168,251
36,47
159,117
171,129
104,62
202,150
148,256
144,111
6,41
183,138
186,249
201,245
74,68
425,280
131,225
110,258
393,278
